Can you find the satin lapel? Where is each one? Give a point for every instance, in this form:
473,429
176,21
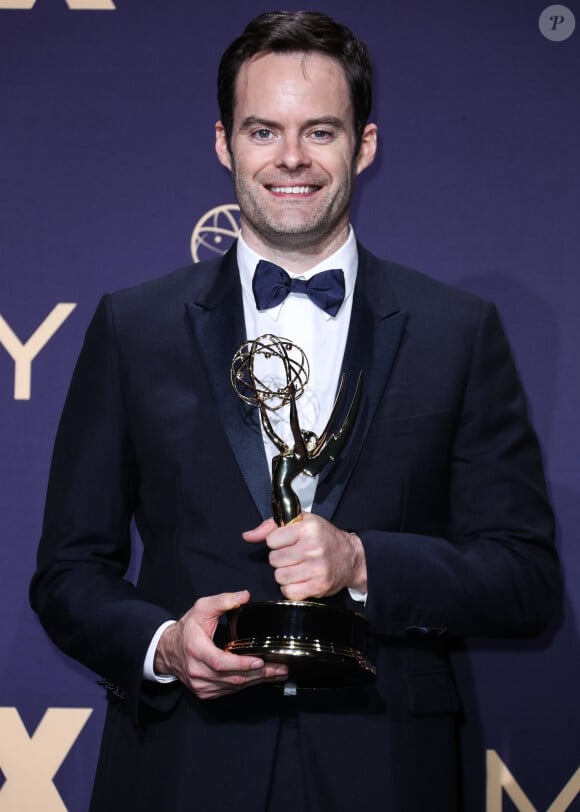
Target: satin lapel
217,321
375,332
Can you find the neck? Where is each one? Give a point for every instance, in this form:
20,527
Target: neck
295,259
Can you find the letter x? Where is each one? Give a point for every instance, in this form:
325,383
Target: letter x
30,763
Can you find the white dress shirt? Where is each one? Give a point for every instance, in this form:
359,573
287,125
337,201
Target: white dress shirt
322,338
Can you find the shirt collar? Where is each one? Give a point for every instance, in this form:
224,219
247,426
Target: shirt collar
346,257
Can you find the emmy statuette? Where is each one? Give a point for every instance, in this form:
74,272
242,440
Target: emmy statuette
325,647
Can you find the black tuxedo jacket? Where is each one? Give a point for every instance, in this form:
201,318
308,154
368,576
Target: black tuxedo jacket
442,480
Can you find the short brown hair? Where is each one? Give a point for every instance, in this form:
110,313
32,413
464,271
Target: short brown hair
298,32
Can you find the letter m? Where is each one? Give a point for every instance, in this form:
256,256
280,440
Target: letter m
500,780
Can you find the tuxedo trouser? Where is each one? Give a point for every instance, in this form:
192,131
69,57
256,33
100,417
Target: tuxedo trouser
287,787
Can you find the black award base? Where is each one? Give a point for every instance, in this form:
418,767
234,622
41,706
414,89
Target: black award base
324,647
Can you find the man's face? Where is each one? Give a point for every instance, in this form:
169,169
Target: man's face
291,152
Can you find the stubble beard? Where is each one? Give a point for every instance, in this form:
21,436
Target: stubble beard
281,233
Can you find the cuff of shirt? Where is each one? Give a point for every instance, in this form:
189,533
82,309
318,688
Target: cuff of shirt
148,665
360,597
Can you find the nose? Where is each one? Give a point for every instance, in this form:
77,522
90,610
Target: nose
292,153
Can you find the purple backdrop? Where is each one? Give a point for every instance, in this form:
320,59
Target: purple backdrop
107,164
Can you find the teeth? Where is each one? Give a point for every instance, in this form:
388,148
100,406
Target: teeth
292,190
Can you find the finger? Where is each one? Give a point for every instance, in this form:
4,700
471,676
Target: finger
232,671
284,576
270,672
285,536
260,532
213,690
207,659
289,556
214,606
224,663
301,591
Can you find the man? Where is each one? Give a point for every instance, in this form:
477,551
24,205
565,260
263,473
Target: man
434,522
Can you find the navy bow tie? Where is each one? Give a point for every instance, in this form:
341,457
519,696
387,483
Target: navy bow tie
271,284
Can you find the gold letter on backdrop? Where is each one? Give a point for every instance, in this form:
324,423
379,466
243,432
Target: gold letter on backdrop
24,354
74,5
90,5
499,778
30,763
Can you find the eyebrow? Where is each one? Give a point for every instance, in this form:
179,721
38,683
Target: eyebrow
328,121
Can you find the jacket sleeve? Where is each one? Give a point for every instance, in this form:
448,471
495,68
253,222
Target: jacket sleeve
79,591
494,572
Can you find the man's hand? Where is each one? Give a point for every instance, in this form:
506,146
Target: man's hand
186,650
312,558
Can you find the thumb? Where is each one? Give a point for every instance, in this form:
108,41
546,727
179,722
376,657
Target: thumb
260,532
214,606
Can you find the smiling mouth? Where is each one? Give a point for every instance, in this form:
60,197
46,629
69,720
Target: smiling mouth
293,190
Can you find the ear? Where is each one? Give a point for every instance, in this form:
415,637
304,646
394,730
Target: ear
221,146
367,149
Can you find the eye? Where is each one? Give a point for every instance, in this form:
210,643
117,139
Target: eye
321,135
263,134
